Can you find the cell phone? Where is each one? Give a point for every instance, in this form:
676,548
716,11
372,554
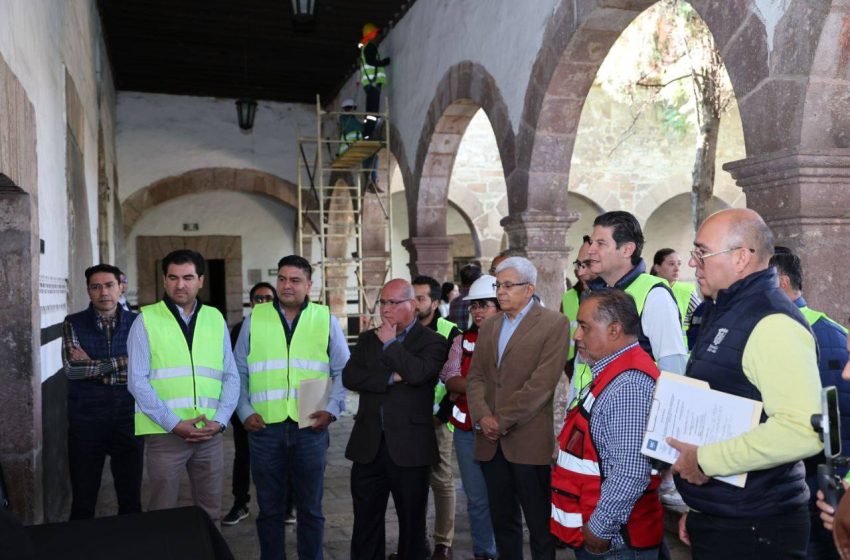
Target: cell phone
830,427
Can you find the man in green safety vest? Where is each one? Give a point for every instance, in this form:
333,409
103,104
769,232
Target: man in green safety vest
578,371
183,377
350,127
281,347
427,299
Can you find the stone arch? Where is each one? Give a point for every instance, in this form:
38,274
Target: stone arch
473,230
201,180
465,88
575,44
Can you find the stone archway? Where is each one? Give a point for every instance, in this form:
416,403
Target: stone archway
21,422
199,181
464,89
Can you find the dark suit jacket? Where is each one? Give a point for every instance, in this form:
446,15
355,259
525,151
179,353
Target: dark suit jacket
407,406
520,390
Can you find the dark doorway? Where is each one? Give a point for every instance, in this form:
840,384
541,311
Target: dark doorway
214,292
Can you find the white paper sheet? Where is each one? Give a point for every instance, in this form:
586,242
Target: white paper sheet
312,396
688,410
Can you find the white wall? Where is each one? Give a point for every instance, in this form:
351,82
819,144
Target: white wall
504,36
161,135
267,229
38,40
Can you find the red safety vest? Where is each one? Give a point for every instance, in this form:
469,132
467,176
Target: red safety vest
577,476
460,412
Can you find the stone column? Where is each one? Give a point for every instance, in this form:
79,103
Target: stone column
336,283
430,256
805,198
542,236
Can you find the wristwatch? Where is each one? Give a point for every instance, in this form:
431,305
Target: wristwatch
223,427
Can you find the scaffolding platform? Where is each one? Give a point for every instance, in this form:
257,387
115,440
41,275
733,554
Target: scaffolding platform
356,153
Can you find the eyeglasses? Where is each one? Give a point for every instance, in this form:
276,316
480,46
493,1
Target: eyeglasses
509,285
581,264
391,302
481,305
263,299
699,257
97,287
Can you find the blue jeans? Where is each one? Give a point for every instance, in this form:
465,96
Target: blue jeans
619,552
279,451
477,504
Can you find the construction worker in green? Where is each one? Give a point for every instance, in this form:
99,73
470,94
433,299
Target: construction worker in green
350,127
427,300
578,371
281,347
183,377
373,75
666,264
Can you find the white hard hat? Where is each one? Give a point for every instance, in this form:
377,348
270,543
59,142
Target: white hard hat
483,288
348,103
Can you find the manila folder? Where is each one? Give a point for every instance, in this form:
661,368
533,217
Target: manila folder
690,411
312,396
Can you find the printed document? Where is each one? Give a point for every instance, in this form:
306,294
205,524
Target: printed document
690,411
312,397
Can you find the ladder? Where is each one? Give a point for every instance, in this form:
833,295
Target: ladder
345,217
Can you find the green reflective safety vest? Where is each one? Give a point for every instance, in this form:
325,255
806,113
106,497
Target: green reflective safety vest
682,292
444,328
639,290
275,369
569,306
188,382
350,131
371,75
813,317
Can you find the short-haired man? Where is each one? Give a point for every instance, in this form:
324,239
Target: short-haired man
184,379
519,358
394,368
459,307
578,370
753,343
604,498
832,357
427,299
261,292
100,408
280,347
614,254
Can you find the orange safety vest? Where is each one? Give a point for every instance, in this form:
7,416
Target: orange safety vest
577,476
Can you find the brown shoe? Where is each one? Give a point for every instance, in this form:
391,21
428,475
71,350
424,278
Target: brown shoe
442,552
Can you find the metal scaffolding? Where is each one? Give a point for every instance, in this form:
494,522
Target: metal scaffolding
345,216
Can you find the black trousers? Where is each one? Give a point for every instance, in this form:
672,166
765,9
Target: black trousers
513,490
373,105
100,423
371,485
241,463
724,538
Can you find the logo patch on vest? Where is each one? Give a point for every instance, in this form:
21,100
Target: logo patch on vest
718,338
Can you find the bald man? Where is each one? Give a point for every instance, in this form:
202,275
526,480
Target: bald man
754,343
393,444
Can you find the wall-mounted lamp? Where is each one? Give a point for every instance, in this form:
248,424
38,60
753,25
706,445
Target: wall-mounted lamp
303,11
246,109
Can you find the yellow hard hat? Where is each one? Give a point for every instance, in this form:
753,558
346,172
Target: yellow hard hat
369,28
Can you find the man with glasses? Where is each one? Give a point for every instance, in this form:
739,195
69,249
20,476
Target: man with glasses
262,292
394,368
753,343
100,408
519,358
282,345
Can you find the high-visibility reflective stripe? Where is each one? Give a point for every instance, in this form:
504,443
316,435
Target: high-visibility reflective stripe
469,346
458,415
566,519
274,395
209,372
168,373
268,365
572,463
588,402
207,402
202,402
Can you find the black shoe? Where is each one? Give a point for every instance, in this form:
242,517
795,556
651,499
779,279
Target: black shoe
235,515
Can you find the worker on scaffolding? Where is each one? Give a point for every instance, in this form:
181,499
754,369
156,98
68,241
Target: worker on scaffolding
373,75
350,127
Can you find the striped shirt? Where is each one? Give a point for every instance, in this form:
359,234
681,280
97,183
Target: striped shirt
617,424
